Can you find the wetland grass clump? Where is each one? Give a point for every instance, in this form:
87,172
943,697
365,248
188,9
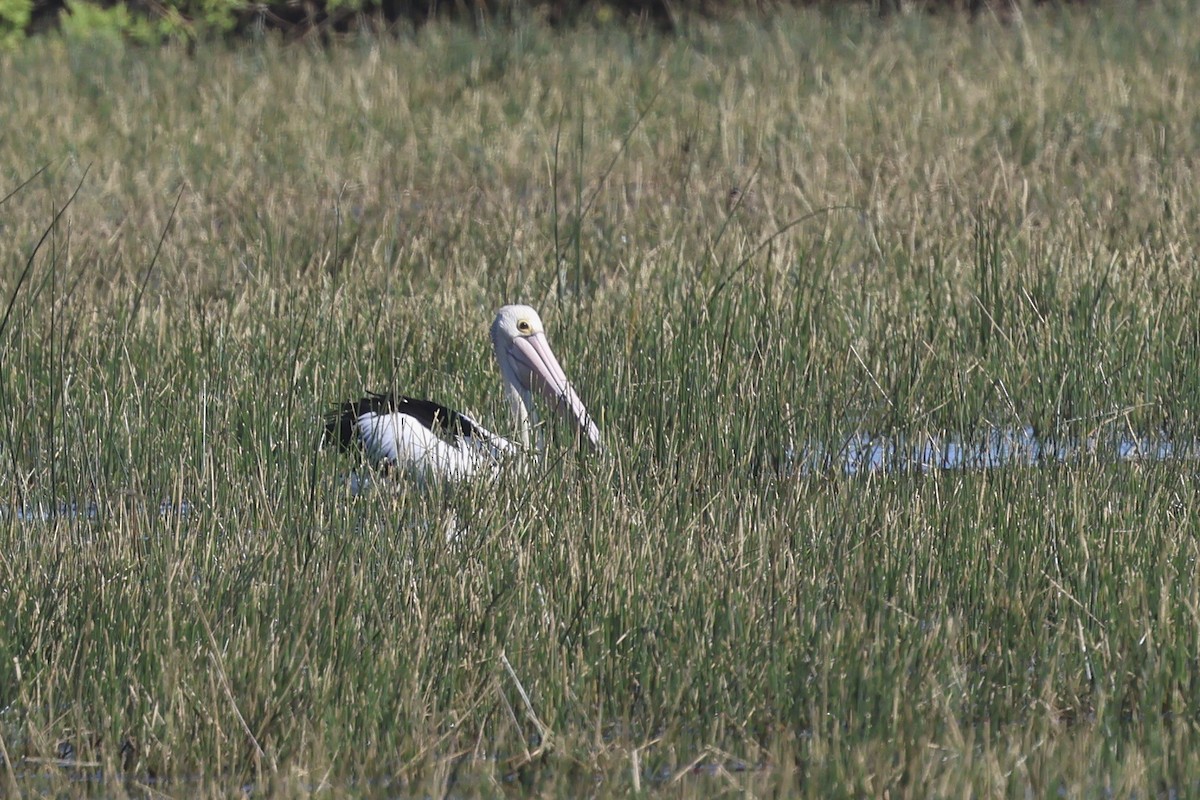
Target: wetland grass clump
997,234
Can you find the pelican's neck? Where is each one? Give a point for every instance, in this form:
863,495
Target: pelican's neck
519,400
521,404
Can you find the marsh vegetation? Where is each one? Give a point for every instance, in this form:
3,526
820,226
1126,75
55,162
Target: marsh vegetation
940,230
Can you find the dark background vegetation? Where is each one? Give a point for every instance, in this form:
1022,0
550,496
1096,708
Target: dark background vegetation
149,19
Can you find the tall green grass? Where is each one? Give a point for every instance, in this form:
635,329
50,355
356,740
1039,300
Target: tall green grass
942,229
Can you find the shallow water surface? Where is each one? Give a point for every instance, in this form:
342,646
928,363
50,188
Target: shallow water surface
999,447
860,453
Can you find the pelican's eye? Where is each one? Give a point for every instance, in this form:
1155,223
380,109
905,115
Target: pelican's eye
524,327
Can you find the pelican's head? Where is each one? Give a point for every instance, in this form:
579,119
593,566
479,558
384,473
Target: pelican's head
528,364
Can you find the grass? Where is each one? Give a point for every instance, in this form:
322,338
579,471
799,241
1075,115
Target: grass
945,229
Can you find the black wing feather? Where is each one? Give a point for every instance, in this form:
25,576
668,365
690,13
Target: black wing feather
341,425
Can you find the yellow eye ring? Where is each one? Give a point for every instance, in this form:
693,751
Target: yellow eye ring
523,326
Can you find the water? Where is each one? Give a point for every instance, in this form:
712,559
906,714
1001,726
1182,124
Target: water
90,511
859,454
864,453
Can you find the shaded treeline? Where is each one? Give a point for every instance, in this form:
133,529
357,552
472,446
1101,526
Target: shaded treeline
305,18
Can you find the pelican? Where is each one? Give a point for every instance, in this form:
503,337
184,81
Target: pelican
430,440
